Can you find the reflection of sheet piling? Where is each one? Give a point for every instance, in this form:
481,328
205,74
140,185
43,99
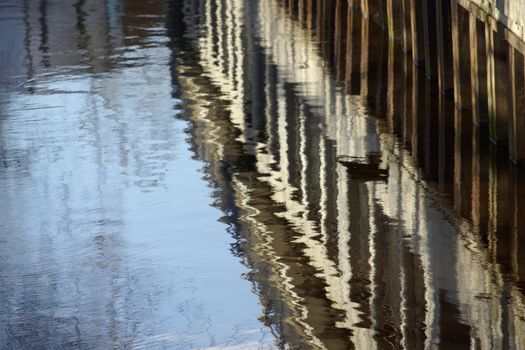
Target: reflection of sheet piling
392,261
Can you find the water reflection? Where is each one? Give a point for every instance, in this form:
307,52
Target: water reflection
107,239
372,213
368,210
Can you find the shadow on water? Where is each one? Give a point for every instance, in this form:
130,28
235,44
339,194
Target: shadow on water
366,207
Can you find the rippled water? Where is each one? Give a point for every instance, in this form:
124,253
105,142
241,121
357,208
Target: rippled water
243,174
108,236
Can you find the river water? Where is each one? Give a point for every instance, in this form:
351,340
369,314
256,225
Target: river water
229,174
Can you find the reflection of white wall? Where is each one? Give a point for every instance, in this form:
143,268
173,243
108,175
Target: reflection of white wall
222,53
449,263
452,260
296,54
509,12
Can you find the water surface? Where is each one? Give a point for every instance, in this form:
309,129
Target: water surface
109,233
244,174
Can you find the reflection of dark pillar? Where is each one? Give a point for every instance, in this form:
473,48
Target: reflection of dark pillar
518,222
176,27
502,86
516,105
398,19
353,74
349,46
462,162
500,240
406,91
318,15
300,11
382,13
431,134
364,8
374,8
377,71
491,98
309,14
478,70
398,82
461,57
390,88
480,166
417,31
453,333
341,11
44,33
417,110
327,30
429,32
442,143
390,19
387,294
415,299
458,176
359,248
394,19
406,39
497,75
446,144
444,48
292,7
363,69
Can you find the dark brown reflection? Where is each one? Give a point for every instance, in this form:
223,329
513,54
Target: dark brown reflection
366,200
45,37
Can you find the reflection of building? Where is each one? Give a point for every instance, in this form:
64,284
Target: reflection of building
55,36
347,239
